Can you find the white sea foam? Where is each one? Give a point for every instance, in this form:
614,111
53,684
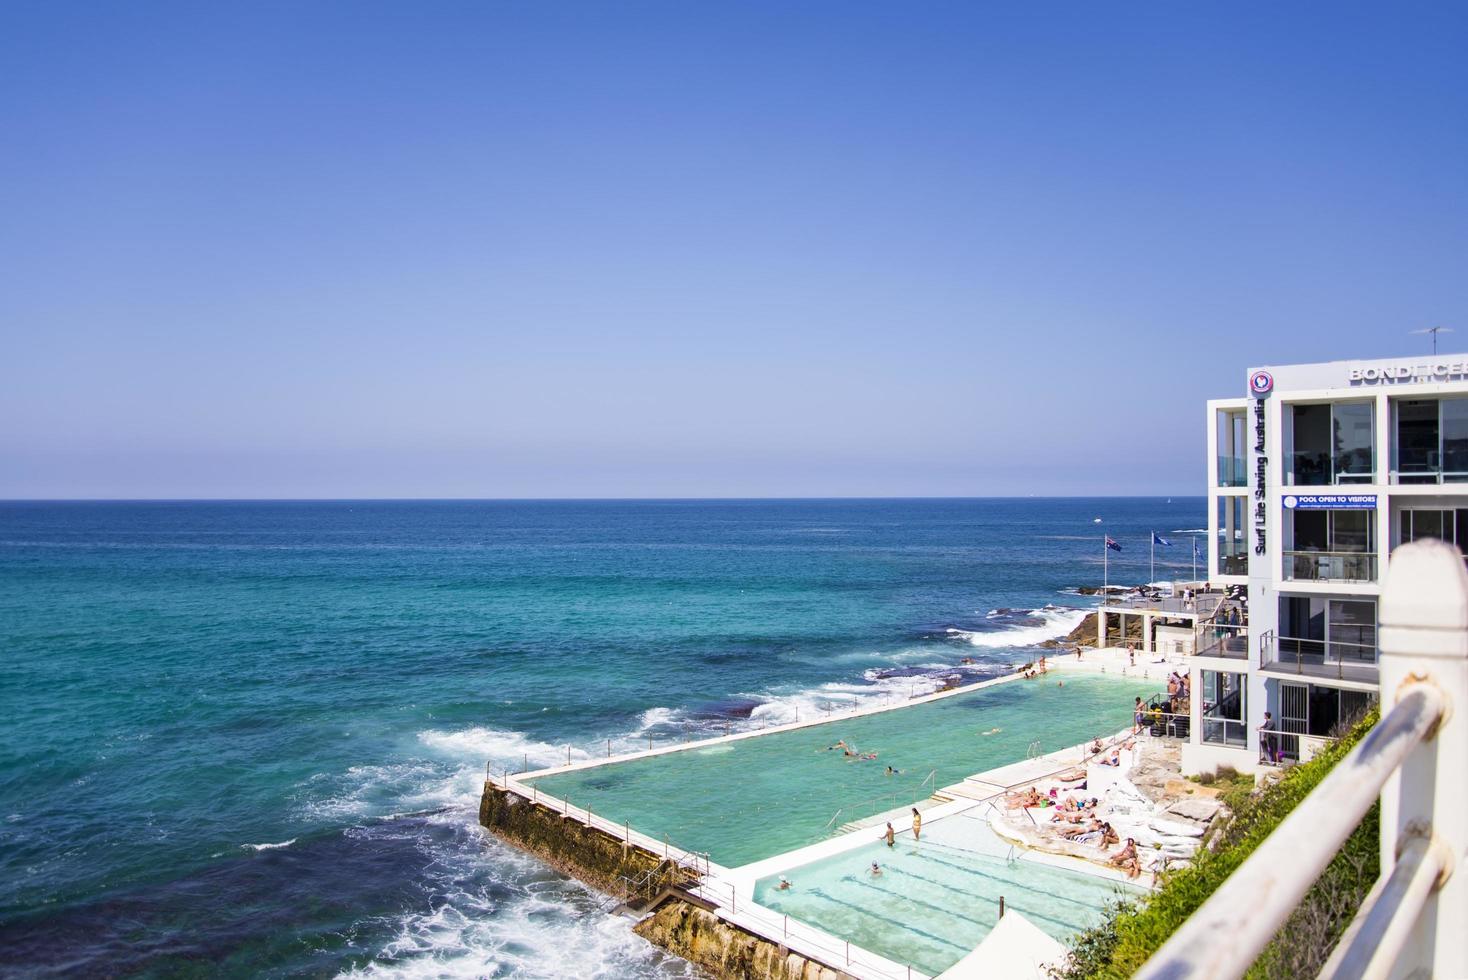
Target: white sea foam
657,718
1055,622
1191,530
268,847
498,912
495,745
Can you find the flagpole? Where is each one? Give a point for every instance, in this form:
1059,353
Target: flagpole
1105,570
1152,570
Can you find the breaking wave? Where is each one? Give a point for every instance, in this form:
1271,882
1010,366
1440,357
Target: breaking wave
1034,626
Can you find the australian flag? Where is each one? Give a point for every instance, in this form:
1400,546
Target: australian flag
1159,539
1197,552
1113,545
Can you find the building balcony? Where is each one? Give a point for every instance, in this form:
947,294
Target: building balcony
1225,731
1329,566
1335,660
1234,564
1226,642
1232,471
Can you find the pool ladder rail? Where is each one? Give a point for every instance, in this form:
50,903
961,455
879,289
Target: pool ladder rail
870,808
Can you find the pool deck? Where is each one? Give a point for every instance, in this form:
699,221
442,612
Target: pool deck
730,891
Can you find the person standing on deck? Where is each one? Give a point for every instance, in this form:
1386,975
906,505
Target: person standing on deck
917,824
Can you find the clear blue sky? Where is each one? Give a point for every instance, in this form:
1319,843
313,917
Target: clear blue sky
688,249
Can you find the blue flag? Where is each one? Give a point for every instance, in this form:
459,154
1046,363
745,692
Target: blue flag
1159,539
1197,552
1114,546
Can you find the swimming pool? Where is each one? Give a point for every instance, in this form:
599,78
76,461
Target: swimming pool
936,900
750,799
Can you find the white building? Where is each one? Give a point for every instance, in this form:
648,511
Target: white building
1315,475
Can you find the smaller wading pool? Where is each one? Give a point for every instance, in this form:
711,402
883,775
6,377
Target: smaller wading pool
936,899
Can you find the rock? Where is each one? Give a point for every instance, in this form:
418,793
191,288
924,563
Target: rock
1186,787
1200,809
1176,828
725,950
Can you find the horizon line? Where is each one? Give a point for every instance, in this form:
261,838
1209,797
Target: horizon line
670,499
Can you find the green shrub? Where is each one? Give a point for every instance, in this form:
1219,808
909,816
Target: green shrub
1133,930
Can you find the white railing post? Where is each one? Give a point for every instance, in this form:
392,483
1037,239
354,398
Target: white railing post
1424,639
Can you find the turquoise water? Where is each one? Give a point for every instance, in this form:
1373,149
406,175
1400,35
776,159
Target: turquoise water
748,799
247,739
936,899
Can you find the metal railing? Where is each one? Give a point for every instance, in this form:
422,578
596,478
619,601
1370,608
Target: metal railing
873,806
1411,923
1319,658
1329,566
1224,640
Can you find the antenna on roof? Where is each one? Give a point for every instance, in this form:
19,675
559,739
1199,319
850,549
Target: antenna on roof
1434,331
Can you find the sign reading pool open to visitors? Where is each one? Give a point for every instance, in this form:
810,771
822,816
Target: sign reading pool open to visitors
1349,501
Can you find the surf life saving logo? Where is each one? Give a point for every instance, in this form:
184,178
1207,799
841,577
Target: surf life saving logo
1261,382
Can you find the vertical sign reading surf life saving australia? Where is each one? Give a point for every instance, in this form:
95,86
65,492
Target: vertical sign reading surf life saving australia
1260,383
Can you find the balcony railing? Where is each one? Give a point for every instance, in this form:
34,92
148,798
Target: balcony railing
1225,731
1309,469
1222,640
1318,658
1232,471
1329,566
1430,466
1234,564
1410,924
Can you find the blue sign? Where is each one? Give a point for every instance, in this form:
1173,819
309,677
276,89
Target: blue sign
1345,501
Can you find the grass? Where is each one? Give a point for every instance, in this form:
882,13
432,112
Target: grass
1133,930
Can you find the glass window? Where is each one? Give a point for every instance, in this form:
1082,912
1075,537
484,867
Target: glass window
1233,545
1312,530
1455,439
1417,441
1310,462
1350,530
1232,448
1354,462
1223,708
1352,630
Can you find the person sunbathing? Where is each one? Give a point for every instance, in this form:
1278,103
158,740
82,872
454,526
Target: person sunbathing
1023,800
1108,835
1075,833
1126,859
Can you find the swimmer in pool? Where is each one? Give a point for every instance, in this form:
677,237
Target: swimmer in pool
875,870
784,884
890,837
992,731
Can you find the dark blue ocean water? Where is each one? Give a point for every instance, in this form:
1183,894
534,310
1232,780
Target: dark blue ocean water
247,738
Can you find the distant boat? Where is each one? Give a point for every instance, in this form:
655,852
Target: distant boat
1096,521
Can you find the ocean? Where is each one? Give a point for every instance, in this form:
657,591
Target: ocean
247,738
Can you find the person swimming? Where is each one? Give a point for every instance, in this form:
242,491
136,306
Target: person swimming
784,884
992,731
875,870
